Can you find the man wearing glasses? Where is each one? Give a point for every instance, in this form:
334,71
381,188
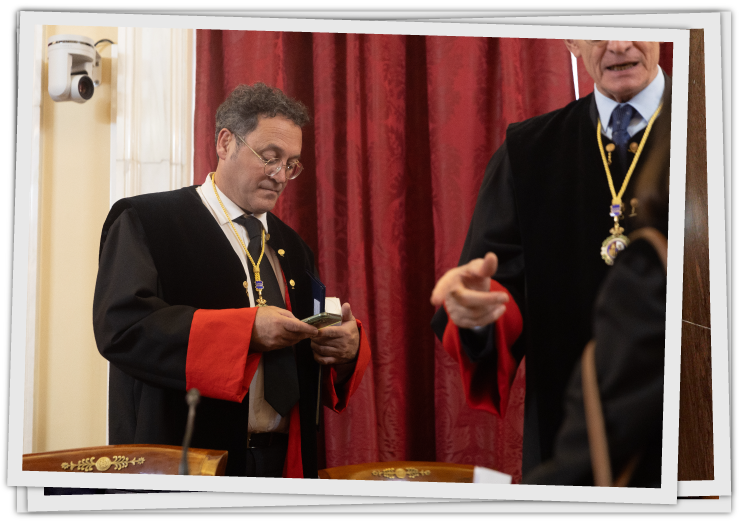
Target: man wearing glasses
551,217
203,288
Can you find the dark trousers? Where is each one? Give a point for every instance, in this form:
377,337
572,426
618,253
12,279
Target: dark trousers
266,462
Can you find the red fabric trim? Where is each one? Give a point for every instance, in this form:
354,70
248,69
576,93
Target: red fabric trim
488,390
336,398
293,468
219,364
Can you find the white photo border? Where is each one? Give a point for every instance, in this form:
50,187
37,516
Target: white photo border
665,495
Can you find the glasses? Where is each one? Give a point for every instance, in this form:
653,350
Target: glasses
274,165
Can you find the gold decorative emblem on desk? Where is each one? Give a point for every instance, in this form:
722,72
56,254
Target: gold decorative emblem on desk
400,473
103,464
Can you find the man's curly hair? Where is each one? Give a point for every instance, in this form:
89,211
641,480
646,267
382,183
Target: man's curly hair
241,111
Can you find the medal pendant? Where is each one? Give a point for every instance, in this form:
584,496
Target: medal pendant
616,209
614,244
259,287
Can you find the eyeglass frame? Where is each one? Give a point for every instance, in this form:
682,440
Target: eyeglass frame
266,162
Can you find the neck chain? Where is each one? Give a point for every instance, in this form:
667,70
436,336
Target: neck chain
255,266
617,241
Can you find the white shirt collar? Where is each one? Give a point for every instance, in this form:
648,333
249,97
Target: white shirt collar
233,210
645,102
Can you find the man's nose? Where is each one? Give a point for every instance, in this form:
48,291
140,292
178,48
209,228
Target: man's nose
619,46
281,176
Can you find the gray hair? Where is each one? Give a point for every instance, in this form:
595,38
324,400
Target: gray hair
240,112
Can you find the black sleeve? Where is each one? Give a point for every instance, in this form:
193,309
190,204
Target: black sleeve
629,327
494,227
134,328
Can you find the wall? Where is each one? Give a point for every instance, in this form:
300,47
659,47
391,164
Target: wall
134,136
70,403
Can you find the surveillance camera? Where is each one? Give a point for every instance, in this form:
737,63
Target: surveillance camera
74,68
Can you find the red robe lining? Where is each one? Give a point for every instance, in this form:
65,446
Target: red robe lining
488,390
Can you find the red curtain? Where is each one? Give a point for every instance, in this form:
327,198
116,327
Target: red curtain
403,127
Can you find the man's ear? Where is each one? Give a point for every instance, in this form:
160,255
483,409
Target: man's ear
573,47
224,141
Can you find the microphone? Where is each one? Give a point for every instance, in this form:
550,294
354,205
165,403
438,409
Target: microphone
193,399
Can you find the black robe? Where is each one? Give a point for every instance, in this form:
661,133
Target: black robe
629,329
162,257
543,208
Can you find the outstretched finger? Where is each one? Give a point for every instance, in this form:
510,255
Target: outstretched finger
475,318
474,274
471,298
450,281
482,267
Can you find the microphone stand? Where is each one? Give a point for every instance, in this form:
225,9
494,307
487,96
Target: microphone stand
193,399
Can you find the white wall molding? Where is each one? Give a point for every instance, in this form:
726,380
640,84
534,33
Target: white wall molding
33,260
153,111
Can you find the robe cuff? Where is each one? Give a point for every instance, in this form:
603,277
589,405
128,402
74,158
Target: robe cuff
488,389
336,398
219,364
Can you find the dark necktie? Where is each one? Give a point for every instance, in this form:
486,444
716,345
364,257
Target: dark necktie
621,118
281,381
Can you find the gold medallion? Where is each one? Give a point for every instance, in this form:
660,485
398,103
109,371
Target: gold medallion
614,244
